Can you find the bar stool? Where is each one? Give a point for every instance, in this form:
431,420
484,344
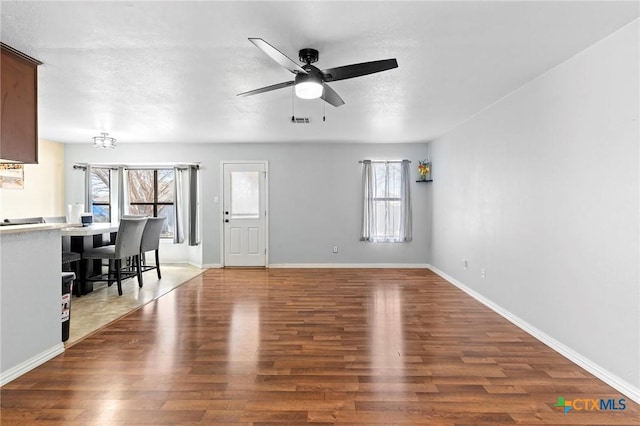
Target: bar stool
151,241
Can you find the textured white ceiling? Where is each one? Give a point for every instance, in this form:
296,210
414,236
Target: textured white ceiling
170,71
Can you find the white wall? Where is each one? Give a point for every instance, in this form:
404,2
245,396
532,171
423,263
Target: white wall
542,190
43,186
314,196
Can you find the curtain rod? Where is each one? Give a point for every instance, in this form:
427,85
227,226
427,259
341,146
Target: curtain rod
383,161
162,166
84,167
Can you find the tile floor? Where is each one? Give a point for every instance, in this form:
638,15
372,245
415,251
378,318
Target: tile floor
97,309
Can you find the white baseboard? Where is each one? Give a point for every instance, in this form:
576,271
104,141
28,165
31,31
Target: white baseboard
606,376
207,265
351,265
30,364
327,265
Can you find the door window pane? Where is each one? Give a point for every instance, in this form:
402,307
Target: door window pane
245,195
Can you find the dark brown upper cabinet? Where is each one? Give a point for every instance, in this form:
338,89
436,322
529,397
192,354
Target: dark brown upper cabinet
19,106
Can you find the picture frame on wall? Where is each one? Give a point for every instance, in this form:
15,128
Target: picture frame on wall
11,176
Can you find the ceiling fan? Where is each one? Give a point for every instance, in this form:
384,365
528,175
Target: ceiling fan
311,82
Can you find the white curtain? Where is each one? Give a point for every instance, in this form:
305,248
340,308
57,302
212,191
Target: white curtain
186,215
194,223
123,192
88,202
406,220
368,211
386,213
178,226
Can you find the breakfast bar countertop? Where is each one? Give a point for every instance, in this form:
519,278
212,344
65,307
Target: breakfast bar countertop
16,229
67,229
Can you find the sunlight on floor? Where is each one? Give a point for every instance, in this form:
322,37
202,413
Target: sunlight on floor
103,305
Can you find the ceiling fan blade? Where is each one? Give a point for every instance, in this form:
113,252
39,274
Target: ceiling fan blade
277,56
357,70
330,96
267,89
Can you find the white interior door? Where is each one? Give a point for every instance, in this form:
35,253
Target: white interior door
244,214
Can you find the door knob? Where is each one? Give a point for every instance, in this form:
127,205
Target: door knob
226,212
226,220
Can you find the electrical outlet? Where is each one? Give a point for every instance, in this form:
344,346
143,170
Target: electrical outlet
335,249
483,274
465,264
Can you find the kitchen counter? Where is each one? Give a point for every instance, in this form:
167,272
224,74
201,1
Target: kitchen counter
30,291
16,229
68,229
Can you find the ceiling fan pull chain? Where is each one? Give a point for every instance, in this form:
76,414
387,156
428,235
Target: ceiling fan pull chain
293,110
324,111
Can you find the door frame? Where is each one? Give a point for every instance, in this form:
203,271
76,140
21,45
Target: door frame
266,206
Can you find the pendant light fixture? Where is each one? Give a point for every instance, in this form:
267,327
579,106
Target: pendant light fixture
104,141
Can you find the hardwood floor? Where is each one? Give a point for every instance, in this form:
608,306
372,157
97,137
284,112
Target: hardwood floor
335,346
102,306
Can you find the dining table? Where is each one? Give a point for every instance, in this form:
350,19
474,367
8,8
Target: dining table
78,238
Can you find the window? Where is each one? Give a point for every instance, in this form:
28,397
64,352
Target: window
387,202
151,193
245,195
101,194
146,190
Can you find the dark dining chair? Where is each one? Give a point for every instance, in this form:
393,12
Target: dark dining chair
151,241
71,260
127,245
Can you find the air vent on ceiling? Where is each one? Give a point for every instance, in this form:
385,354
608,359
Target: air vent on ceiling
300,120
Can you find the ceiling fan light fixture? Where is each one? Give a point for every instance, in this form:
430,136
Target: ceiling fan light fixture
308,86
104,141
309,90
310,81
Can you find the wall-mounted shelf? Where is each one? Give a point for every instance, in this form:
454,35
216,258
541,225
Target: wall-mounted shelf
424,181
